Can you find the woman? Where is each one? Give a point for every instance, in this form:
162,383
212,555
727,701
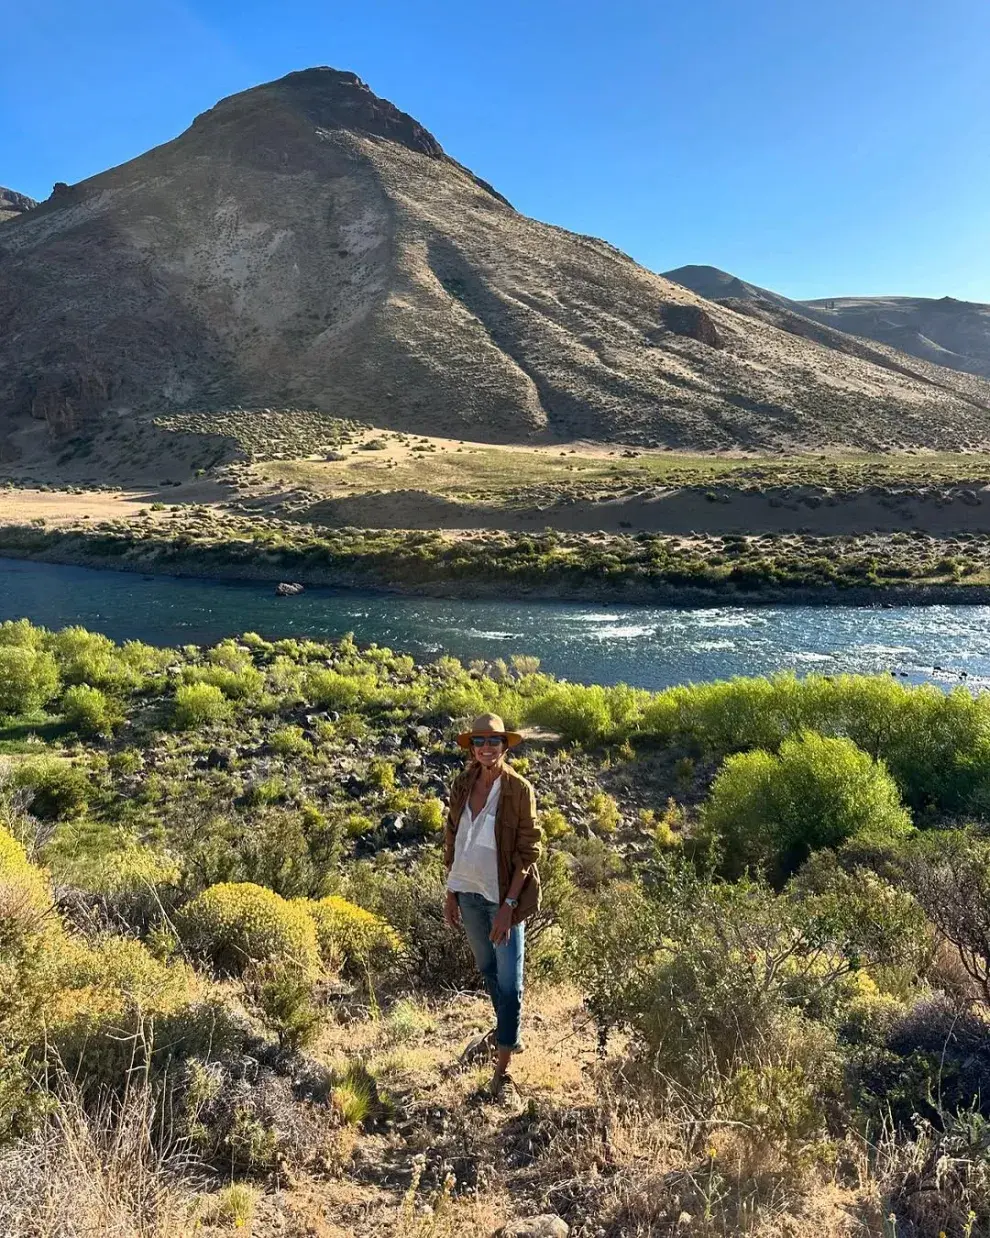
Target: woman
491,846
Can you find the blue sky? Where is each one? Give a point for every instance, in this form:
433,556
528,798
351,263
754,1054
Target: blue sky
817,147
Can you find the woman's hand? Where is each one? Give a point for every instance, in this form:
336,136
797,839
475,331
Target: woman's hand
451,911
501,926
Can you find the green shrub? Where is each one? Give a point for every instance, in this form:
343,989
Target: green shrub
381,774
588,714
289,741
58,790
233,925
283,999
235,685
554,824
89,711
22,633
198,704
605,814
429,815
331,690
270,790
28,679
412,902
90,657
769,812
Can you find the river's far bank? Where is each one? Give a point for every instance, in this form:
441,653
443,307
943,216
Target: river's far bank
638,569
628,593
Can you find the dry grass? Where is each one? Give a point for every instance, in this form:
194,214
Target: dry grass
102,1174
587,1143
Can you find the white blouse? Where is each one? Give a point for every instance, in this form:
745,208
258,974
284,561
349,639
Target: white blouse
475,866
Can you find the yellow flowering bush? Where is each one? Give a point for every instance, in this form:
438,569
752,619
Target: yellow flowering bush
18,874
350,935
234,924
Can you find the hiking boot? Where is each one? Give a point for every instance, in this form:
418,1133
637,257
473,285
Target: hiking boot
504,1092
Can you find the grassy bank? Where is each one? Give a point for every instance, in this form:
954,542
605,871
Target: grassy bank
758,989
863,569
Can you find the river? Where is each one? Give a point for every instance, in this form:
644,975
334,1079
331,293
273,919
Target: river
651,647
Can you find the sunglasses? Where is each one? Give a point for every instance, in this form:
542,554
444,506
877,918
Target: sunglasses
484,741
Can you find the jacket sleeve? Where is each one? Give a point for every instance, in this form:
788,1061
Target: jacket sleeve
529,836
450,829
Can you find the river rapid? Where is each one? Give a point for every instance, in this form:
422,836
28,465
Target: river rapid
651,647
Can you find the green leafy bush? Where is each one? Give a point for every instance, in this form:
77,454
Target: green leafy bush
331,690
197,704
58,790
289,741
234,925
588,714
89,711
21,632
28,679
771,811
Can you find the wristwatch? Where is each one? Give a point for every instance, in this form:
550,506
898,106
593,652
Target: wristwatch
512,902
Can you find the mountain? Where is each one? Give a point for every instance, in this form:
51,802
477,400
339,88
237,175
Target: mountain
716,285
944,331
306,244
13,204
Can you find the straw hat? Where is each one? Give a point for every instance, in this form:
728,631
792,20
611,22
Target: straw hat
489,724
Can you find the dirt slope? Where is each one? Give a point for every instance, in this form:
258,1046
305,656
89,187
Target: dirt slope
307,244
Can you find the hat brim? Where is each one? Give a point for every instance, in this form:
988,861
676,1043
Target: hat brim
511,738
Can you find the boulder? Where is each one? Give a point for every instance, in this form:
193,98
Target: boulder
287,590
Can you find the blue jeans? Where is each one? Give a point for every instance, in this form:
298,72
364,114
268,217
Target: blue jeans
500,966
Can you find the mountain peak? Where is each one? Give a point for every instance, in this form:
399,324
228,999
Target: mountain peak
328,99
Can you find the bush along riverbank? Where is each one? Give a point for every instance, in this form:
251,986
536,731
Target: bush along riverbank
769,568
758,991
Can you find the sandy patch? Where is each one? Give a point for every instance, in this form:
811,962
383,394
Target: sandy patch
666,511
58,507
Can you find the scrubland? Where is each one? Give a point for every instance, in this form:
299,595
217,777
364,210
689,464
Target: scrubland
758,990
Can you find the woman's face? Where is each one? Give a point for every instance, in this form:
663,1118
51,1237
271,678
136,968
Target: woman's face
490,752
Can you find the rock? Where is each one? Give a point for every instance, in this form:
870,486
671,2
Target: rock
689,320
287,590
418,736
392,823
548,1225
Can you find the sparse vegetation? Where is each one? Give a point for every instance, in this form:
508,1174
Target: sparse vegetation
636,565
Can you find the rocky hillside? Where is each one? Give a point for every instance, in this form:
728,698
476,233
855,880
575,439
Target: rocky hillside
946,332
13,204
306,244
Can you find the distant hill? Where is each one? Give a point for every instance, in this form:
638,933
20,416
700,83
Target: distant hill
716,285
13,204
945,331
307,244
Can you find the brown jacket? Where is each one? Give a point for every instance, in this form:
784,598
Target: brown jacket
517,836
